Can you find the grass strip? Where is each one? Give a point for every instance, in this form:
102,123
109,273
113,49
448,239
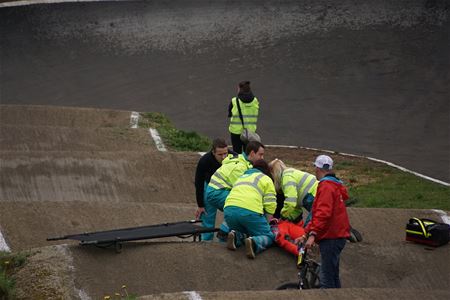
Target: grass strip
9,262
175,139
378,185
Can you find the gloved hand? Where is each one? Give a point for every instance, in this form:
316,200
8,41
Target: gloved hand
273,221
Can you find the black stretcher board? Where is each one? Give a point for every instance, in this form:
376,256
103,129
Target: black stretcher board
184,228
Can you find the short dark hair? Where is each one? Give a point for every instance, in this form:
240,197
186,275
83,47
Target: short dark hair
253,146
244,87
263,166
218,143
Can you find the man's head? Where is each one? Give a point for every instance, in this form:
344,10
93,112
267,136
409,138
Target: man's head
324,166
263,166
254,151
244,87
219,149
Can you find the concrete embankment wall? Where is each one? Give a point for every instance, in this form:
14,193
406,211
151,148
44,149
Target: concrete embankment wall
365,77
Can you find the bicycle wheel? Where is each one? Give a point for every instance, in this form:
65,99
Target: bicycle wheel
312,277
355,236
288,286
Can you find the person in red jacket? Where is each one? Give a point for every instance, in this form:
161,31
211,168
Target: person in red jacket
329,226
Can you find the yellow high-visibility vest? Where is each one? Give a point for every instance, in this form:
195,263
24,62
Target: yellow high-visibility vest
254,191
232,168
296,185
250,113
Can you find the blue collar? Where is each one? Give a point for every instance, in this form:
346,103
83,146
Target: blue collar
331,177
252,171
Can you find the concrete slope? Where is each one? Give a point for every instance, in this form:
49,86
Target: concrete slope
55,181
27,225
38,115
366,77
367,293
387,263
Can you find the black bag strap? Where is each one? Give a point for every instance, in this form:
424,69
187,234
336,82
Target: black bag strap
240,112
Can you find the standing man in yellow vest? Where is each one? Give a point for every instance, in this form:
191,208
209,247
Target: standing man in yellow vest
233,166
249,106
252,196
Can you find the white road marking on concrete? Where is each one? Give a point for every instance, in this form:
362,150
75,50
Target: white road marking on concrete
158,141
65,252
444,217
3,245
29,2
282,146
193,295
134,119
409,171
369,158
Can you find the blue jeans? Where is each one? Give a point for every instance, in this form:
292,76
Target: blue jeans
330,251
249,223
214,200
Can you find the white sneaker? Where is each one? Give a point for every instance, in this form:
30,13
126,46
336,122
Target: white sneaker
249,248
231,240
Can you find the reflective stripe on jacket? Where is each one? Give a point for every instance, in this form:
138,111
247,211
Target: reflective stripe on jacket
250,113
232,168
296,185
254,191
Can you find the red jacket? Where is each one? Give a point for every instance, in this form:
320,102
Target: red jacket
329,219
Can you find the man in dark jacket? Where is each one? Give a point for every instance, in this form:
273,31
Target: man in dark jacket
329,226
207,165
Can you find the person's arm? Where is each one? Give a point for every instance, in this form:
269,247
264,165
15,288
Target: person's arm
230,107
269,198
290,193
200,181
323,208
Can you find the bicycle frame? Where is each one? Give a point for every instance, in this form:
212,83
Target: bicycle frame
308,272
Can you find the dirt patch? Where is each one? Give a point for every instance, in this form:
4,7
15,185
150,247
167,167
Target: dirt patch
47,274
344,294
347,167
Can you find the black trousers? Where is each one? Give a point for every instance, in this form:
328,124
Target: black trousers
238,145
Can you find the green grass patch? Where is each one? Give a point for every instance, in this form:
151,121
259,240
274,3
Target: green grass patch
376,185
174,138
8,264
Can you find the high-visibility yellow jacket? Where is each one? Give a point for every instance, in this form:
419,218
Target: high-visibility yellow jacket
254,191
232,168
250,113
296,185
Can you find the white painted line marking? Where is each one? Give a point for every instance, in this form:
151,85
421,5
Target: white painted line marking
3,245
82,294
158,141
369,158
281,146
409,171
192,295
444,217
29,2
134,119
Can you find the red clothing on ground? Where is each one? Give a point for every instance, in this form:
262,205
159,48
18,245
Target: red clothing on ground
330,219
287,233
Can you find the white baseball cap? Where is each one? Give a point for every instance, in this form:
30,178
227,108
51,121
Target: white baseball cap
324,162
